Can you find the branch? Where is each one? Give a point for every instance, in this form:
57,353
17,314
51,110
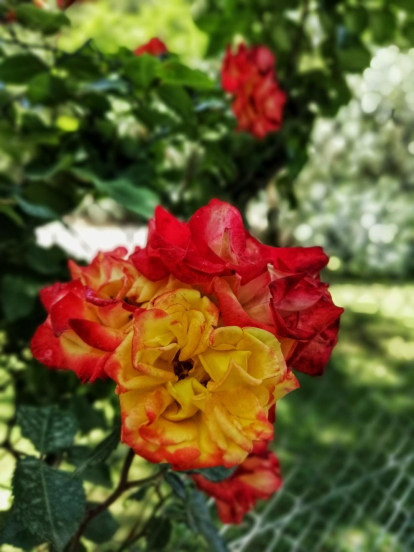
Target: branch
123,486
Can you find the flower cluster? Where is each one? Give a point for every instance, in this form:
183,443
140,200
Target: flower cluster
200,330
258,101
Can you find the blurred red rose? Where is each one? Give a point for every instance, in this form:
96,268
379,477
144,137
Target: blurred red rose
155,47
245,64
259,102
258,107
9,17
258,477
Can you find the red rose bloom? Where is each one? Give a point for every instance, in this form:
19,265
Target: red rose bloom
155,47
258,477
258,104
88,317
273,288
77,334
213,243
245,65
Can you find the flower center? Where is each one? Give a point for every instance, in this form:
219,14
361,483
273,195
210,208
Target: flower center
182,367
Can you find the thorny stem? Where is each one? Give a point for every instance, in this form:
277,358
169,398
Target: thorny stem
123,486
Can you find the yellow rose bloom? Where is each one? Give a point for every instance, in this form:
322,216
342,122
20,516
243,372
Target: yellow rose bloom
194,394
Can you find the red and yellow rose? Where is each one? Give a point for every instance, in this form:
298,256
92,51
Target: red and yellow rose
199,330
194,394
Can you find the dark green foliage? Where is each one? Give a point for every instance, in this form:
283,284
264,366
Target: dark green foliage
200,521
158,534
20,68
18,296
14,534
176,483
43,21
98,474
102,527
100,453
49,503
49,428
215,474
140,494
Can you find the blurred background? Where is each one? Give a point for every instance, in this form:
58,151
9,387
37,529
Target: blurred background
87,149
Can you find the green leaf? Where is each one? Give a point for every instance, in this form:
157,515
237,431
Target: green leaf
176,483
176,74
383,25
178,100
88,417
50,503
220,473
80,66
45,261
36,210
42,20
40,168
95,102
102,527
139,200
200,521
142,70
20,68
158,534
15,534
98,475
18,296
407,5
47,89
356,19
34,131
9,211
49,428
101,452
353,55
408,31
